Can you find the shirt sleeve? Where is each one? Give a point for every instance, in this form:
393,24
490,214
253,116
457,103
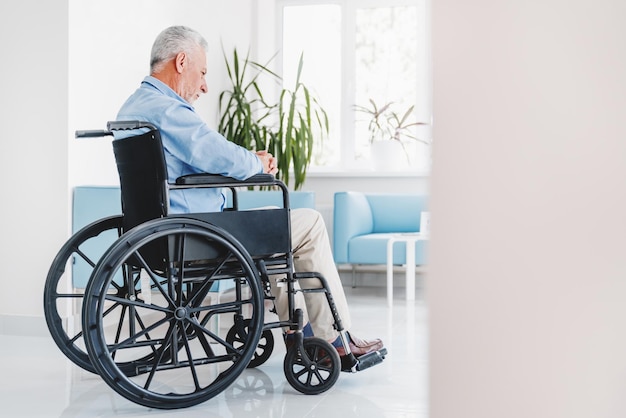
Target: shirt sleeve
189,139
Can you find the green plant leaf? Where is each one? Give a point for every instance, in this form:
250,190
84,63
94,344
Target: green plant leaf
286,128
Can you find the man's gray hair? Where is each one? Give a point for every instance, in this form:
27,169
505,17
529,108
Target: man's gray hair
171,42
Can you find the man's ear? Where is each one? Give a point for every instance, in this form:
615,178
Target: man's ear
181,62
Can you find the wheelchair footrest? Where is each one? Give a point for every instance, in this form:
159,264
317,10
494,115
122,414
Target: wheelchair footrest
356,364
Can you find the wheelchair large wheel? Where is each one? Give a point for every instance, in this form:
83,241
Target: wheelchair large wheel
315,369
63,292
177,326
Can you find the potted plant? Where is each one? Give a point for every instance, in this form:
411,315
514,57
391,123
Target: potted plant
286,127
389,130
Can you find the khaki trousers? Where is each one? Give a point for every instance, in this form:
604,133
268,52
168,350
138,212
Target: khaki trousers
312,253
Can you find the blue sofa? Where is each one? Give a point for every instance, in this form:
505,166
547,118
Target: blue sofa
364,222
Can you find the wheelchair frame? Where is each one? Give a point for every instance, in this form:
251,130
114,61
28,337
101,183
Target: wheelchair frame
150,324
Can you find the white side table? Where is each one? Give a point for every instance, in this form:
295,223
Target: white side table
410,238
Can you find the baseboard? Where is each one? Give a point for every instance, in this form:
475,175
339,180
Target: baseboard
375,275
25,326
376,268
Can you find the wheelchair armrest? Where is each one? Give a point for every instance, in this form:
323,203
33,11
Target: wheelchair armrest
216,180
126,125
114,126
206,179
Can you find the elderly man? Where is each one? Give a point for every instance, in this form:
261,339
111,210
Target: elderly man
178,67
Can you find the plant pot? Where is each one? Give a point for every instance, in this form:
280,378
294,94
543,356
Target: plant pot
388,156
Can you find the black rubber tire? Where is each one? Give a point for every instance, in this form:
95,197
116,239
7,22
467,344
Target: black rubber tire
315,370
85,246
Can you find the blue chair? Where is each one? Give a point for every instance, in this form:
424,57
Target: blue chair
364,222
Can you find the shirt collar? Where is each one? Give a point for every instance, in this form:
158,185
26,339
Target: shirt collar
163,88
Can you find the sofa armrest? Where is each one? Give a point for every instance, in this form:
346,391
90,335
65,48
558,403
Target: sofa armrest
352,216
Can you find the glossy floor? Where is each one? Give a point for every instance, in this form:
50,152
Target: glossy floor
38,381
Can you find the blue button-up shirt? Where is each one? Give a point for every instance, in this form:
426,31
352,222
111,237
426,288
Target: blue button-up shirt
190,145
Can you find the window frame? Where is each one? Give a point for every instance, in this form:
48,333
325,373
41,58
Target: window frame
348,163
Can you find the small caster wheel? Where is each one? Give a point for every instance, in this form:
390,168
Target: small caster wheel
315,369
237,337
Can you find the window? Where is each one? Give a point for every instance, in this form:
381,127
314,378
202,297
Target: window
354,51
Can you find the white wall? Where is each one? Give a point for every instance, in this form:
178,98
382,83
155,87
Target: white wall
110,45
527,275
33,161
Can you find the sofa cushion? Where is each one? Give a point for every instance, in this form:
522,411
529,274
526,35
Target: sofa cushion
372,249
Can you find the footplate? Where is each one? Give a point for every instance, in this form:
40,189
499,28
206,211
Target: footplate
356,364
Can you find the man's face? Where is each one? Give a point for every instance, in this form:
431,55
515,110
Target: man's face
193,81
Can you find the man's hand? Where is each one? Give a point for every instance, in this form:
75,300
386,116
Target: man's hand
270,164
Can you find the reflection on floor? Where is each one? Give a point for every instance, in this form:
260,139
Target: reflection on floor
38,381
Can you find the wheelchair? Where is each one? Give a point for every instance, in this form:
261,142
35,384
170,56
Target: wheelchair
153,320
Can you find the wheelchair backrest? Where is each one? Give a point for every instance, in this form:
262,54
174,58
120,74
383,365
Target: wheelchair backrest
143,177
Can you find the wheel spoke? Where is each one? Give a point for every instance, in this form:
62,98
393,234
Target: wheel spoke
201,293
158,359
154,277
133,338
192,366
